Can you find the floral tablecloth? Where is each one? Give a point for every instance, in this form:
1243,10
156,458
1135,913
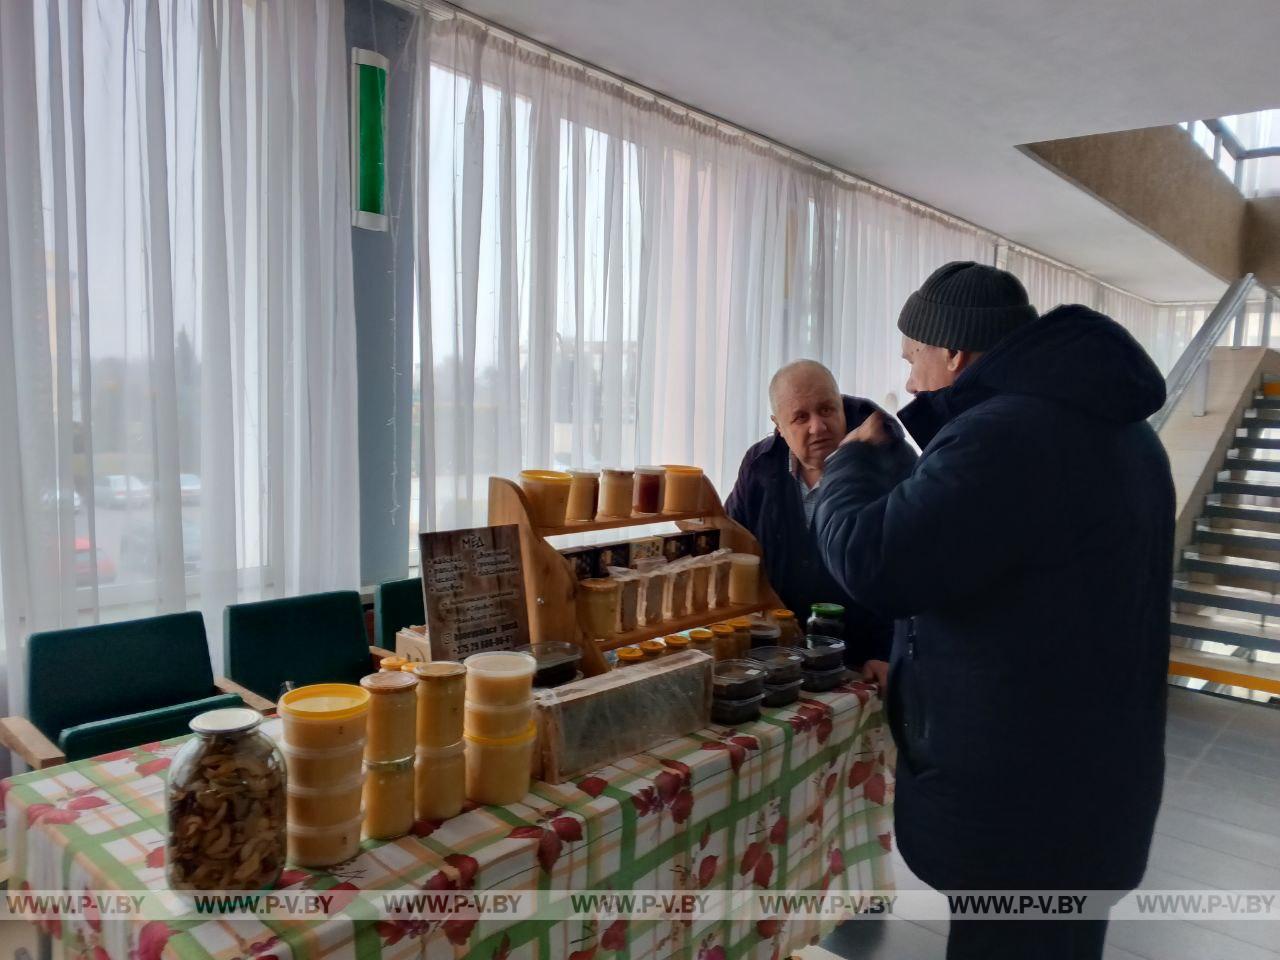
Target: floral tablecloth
799,799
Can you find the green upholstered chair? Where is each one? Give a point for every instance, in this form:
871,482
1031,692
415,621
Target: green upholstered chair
396,604
92,690
317,638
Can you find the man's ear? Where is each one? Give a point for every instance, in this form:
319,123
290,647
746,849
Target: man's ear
774,421
957,360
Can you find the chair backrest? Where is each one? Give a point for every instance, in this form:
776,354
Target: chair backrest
317,638
396,604
108,670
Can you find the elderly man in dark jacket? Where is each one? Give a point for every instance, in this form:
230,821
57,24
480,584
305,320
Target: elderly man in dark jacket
1027,558
776,492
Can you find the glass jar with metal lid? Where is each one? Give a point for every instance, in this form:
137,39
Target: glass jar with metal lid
826,620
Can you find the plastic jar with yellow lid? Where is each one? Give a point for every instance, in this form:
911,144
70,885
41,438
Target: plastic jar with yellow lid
653,649
393,710
724,641
788,626
441,692
548,494
324,715
741,635
677,643
683,489
392,663
701,638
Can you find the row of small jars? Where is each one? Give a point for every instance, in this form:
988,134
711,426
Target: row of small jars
727,640
583,495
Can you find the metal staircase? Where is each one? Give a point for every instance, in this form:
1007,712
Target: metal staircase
1226,615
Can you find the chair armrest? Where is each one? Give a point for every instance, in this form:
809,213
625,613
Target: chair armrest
251,699
25,739
376,654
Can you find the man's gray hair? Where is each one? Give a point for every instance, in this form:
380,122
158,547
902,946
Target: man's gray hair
794,368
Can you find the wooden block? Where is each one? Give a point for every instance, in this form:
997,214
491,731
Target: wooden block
592,722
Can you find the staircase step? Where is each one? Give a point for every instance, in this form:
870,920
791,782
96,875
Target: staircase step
1263,402
1222,597
1226,566
1252,483
1238,633
1219,668
1257,438
1215,507
1241,539
1267,461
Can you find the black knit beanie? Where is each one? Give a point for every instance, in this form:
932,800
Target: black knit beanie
966,306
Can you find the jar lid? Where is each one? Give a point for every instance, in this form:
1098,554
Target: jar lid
782,614
617,472
599,584
630,653
325,701
827,609
652,646
745,559
677,641
396,681
681,468
545,476
502,663
650,469
717,628
435,669
765,630
740,623
395,662
585,474
224,721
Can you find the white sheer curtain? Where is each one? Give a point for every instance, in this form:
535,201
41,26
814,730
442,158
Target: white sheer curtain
605,281
177,343
1163,329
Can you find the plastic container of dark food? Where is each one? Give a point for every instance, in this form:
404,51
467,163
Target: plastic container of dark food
818,680
557,662
780,694
738,680
732,712
781,665
822,653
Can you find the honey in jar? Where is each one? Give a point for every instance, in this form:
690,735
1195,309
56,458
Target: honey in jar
648,490
616,493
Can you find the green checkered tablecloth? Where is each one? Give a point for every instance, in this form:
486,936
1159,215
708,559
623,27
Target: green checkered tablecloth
799,799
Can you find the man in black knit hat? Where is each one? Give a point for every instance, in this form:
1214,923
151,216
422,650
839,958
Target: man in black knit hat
1027,559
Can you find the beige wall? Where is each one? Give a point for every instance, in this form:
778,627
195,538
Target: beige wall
1158,178
1262,240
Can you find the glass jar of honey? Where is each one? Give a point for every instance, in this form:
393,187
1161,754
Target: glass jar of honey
653,649
741,636
441,693
724,641
677,643
584,495
683,489
616,493
744,578
548,494
629,656
597,603
788,627
647,498
700,638
393,706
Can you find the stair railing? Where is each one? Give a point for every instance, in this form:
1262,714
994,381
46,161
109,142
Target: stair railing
1192,369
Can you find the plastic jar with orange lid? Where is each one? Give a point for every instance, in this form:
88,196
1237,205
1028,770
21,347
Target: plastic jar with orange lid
701,638
392,663
788,626
677,643
724,641
629,656
653,649
548,494
741,636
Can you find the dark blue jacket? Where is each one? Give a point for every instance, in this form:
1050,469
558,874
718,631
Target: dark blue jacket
766,500
1028,559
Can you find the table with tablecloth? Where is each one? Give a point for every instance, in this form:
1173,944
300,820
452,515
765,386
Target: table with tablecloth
800,799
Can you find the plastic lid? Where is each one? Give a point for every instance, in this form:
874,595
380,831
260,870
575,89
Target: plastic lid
652,646
585,474
325,701
775,656
827,609
765,630
600,584
718,628
515,741
617,471
389,681
677,642
438,753
782,614
650,469
746,559
225,721
681,468
740,623
435,669
506,663
551,653
630,653
393,663
545,476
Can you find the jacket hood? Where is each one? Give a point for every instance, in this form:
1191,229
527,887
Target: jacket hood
1072,355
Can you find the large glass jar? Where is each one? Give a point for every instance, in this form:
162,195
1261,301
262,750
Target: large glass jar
826,620
584,495
548,494
225,799
598,608
615,493
393,712
683,492
647,498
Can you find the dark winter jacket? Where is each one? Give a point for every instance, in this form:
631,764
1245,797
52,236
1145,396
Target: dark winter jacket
1028,559
766,500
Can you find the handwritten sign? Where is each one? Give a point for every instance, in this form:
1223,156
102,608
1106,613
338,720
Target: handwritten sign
473,589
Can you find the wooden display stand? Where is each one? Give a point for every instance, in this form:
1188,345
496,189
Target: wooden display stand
550,585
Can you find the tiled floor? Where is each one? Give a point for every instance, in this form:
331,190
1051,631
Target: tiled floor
1219,827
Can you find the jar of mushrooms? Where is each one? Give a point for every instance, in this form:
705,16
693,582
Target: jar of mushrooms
226,806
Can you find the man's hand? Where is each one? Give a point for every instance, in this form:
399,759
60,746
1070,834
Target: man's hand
877,672
872,430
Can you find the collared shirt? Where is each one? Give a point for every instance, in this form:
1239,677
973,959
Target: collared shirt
808,494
